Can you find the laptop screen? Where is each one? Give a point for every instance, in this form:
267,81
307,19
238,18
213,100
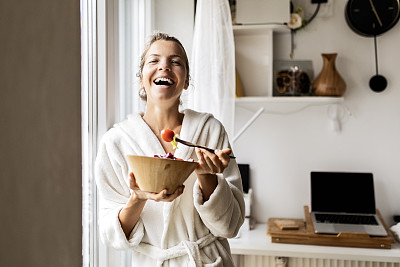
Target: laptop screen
342,192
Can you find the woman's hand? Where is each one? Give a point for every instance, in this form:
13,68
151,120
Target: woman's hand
162,196
209,165
130,213
212,163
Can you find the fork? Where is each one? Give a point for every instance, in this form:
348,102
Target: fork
186,143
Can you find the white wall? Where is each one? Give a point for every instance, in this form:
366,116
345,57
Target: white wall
176,17
283,149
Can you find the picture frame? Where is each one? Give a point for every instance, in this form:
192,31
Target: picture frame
292,77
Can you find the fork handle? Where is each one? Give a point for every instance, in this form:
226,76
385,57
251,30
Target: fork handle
194,145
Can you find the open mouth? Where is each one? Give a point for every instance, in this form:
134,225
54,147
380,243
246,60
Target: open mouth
163,81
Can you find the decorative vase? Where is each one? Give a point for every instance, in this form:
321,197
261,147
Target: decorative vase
329,82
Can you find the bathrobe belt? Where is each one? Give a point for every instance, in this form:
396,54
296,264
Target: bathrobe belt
190,248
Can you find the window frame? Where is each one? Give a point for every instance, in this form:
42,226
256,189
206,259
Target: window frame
106,37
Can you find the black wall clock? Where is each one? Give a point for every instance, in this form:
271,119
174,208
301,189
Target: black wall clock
370,18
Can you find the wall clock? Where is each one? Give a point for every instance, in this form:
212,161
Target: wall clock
370,18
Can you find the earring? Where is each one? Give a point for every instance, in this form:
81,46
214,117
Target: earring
142,93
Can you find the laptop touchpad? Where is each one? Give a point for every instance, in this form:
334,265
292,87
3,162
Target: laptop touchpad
348,228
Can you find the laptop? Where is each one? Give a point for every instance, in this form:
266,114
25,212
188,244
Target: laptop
344,202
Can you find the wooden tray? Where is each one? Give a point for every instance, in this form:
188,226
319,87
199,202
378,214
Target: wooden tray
305,235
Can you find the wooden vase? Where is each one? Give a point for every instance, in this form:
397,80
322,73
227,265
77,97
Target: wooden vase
329,82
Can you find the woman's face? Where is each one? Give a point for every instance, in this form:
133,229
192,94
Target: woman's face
164,72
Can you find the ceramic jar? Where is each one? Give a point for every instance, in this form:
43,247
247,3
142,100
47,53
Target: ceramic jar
329,82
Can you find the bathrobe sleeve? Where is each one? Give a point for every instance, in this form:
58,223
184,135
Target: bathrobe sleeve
111,174
223,213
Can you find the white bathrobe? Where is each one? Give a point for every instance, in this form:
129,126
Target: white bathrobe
185,232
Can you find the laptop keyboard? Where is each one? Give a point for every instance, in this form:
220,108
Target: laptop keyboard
346,219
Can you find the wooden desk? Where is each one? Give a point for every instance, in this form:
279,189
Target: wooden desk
305,234
256,242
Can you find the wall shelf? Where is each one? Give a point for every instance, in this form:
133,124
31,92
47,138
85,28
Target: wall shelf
254,65
285,104
258,28
289,99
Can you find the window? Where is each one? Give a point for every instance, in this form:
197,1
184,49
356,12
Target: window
113,34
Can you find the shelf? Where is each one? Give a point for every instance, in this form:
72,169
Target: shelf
256,242
285,104
259,28
289,99
254,65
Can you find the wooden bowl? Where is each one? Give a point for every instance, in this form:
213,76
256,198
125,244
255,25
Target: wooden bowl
155,174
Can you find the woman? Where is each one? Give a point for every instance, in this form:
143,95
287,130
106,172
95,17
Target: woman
190,226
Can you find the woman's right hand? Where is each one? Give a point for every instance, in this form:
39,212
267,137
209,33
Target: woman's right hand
162,196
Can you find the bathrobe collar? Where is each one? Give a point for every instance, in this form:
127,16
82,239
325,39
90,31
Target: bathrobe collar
192,125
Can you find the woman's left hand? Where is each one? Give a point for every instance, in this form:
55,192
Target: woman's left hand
212,163
209,165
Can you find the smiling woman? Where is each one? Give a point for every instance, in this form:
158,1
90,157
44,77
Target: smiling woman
187,227
113,43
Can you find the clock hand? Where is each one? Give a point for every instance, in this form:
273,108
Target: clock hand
376,13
